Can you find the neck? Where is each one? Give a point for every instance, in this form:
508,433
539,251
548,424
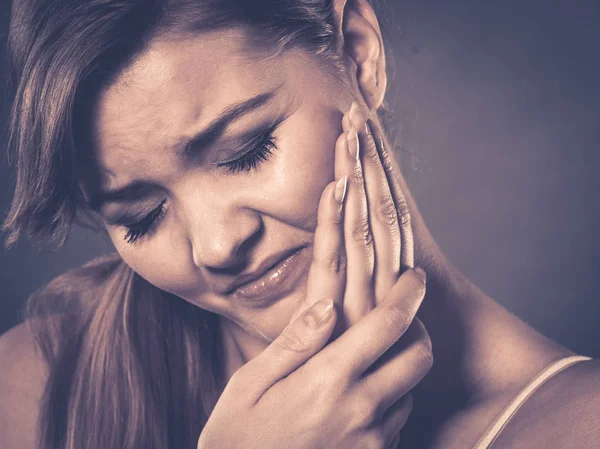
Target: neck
481,351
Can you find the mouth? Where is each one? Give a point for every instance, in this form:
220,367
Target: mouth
278,279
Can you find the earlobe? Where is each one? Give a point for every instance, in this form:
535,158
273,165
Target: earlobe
363,46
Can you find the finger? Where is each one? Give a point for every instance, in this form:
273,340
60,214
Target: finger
298,342
383,217
359,294
392,171
359,297
327,273
346,121
394,419
363,343
402,367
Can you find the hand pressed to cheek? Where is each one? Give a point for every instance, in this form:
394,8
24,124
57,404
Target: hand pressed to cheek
392,173
327,275
382,214
372,239
359,296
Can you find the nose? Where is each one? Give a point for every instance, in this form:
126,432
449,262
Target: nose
220,238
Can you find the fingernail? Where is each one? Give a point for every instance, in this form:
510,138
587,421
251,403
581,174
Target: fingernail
356,116
421,273
340,190
353,145
353,110
319,314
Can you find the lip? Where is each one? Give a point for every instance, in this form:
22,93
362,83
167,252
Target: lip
278,277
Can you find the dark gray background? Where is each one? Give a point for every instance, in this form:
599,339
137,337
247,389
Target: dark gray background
499,104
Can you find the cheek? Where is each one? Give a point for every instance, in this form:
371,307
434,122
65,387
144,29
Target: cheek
306,167
290,192
163,260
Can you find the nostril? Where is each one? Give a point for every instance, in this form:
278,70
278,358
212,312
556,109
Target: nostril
223,235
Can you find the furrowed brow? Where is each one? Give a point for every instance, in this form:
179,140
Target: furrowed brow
234,112
140,189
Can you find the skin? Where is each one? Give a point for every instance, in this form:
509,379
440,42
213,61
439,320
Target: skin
483,354
139,124
215,221
212,215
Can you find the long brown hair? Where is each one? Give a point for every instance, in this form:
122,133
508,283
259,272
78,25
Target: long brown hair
130,365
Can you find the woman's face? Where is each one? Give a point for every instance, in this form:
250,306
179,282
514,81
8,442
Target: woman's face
212,160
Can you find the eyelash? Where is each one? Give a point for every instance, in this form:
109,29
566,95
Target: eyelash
264,146
145,225
261,152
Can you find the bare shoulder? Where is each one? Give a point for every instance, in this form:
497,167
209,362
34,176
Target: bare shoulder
22,380
563,413
23,369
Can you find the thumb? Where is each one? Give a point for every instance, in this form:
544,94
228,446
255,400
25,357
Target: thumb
298,342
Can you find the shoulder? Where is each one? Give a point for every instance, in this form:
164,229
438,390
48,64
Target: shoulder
22,380
564,412
57,312
22,363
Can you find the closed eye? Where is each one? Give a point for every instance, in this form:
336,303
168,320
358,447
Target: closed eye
258,150
141,227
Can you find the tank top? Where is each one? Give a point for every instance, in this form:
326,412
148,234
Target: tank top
493,431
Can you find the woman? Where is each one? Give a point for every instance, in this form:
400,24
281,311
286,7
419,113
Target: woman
232,152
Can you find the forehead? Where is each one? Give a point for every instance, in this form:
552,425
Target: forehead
170,91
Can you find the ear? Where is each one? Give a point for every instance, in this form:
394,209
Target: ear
360,35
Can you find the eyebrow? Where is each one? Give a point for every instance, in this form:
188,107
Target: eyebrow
231,113
139,189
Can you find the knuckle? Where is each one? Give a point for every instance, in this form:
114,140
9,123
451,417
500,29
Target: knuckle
422,349
404,218
289,340
386,160
361,232
399,197
417,283
357,176
420,289
331,383
385,210
424,356
324,373
397,318
371,149
323,390
333,262
363,412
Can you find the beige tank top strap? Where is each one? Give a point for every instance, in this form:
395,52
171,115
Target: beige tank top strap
498,425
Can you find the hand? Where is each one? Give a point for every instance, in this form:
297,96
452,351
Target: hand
350,394
373,242
387,204
362,380
359,254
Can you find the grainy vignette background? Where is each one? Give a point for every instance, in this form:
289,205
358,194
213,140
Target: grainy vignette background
499,104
